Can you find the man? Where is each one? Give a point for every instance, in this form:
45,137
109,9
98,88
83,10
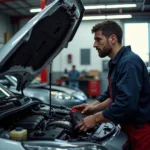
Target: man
74,77
127,99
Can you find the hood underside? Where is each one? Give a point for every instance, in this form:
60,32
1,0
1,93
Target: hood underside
32,48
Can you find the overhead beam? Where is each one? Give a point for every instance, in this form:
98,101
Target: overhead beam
116,12
145,2
10,8
2,1
143,6
16,18
24,1
28,4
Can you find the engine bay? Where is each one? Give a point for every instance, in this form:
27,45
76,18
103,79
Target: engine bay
41,124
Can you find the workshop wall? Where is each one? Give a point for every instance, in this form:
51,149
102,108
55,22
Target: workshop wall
23,22
5,26
83,39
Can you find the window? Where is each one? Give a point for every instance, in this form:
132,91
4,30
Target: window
85,56
136,35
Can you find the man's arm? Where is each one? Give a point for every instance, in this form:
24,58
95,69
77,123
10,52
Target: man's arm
124,107
95,103
90,121
103,102
104,96
128,86
101,106
101,98
97,106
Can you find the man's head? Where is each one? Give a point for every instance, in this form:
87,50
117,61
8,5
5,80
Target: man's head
108,35
73,67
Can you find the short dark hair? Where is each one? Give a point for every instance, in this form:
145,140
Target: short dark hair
108,28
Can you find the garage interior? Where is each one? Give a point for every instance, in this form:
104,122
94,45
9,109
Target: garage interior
14,14
37,97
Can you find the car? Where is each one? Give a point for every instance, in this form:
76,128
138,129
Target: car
60,95
49,128
24,123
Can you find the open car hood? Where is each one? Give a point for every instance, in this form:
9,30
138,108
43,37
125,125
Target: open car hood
34,46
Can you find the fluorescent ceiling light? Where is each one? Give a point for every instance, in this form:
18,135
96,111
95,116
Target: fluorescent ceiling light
121,6
94,17
95,7
118,16
35,10
110,6
106,17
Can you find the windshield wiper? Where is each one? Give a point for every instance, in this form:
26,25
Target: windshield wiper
52,105
7,99
13,96
61,107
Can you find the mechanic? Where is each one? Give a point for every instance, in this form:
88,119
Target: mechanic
74,77
127,98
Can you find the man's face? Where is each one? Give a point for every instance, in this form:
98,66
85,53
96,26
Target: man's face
102,44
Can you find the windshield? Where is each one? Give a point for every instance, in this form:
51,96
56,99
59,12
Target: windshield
35,81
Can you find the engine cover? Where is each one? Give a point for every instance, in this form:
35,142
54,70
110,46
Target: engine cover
51,134
31,122
62,124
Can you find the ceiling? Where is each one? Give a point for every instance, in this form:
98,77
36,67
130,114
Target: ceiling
20,8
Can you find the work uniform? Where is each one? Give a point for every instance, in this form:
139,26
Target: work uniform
73,78
129,89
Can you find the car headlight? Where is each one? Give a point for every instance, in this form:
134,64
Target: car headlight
61,95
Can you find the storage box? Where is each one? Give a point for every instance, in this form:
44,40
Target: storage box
94,73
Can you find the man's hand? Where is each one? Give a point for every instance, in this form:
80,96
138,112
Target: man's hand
91,121
87,123
85,108
81,107
88,110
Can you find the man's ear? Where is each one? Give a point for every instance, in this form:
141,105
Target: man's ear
113,38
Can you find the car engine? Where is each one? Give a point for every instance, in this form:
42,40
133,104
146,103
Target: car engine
42,124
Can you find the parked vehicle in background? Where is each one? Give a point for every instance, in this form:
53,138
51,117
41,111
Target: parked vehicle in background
60,95
63,92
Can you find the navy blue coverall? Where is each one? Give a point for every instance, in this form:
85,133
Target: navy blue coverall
129,89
